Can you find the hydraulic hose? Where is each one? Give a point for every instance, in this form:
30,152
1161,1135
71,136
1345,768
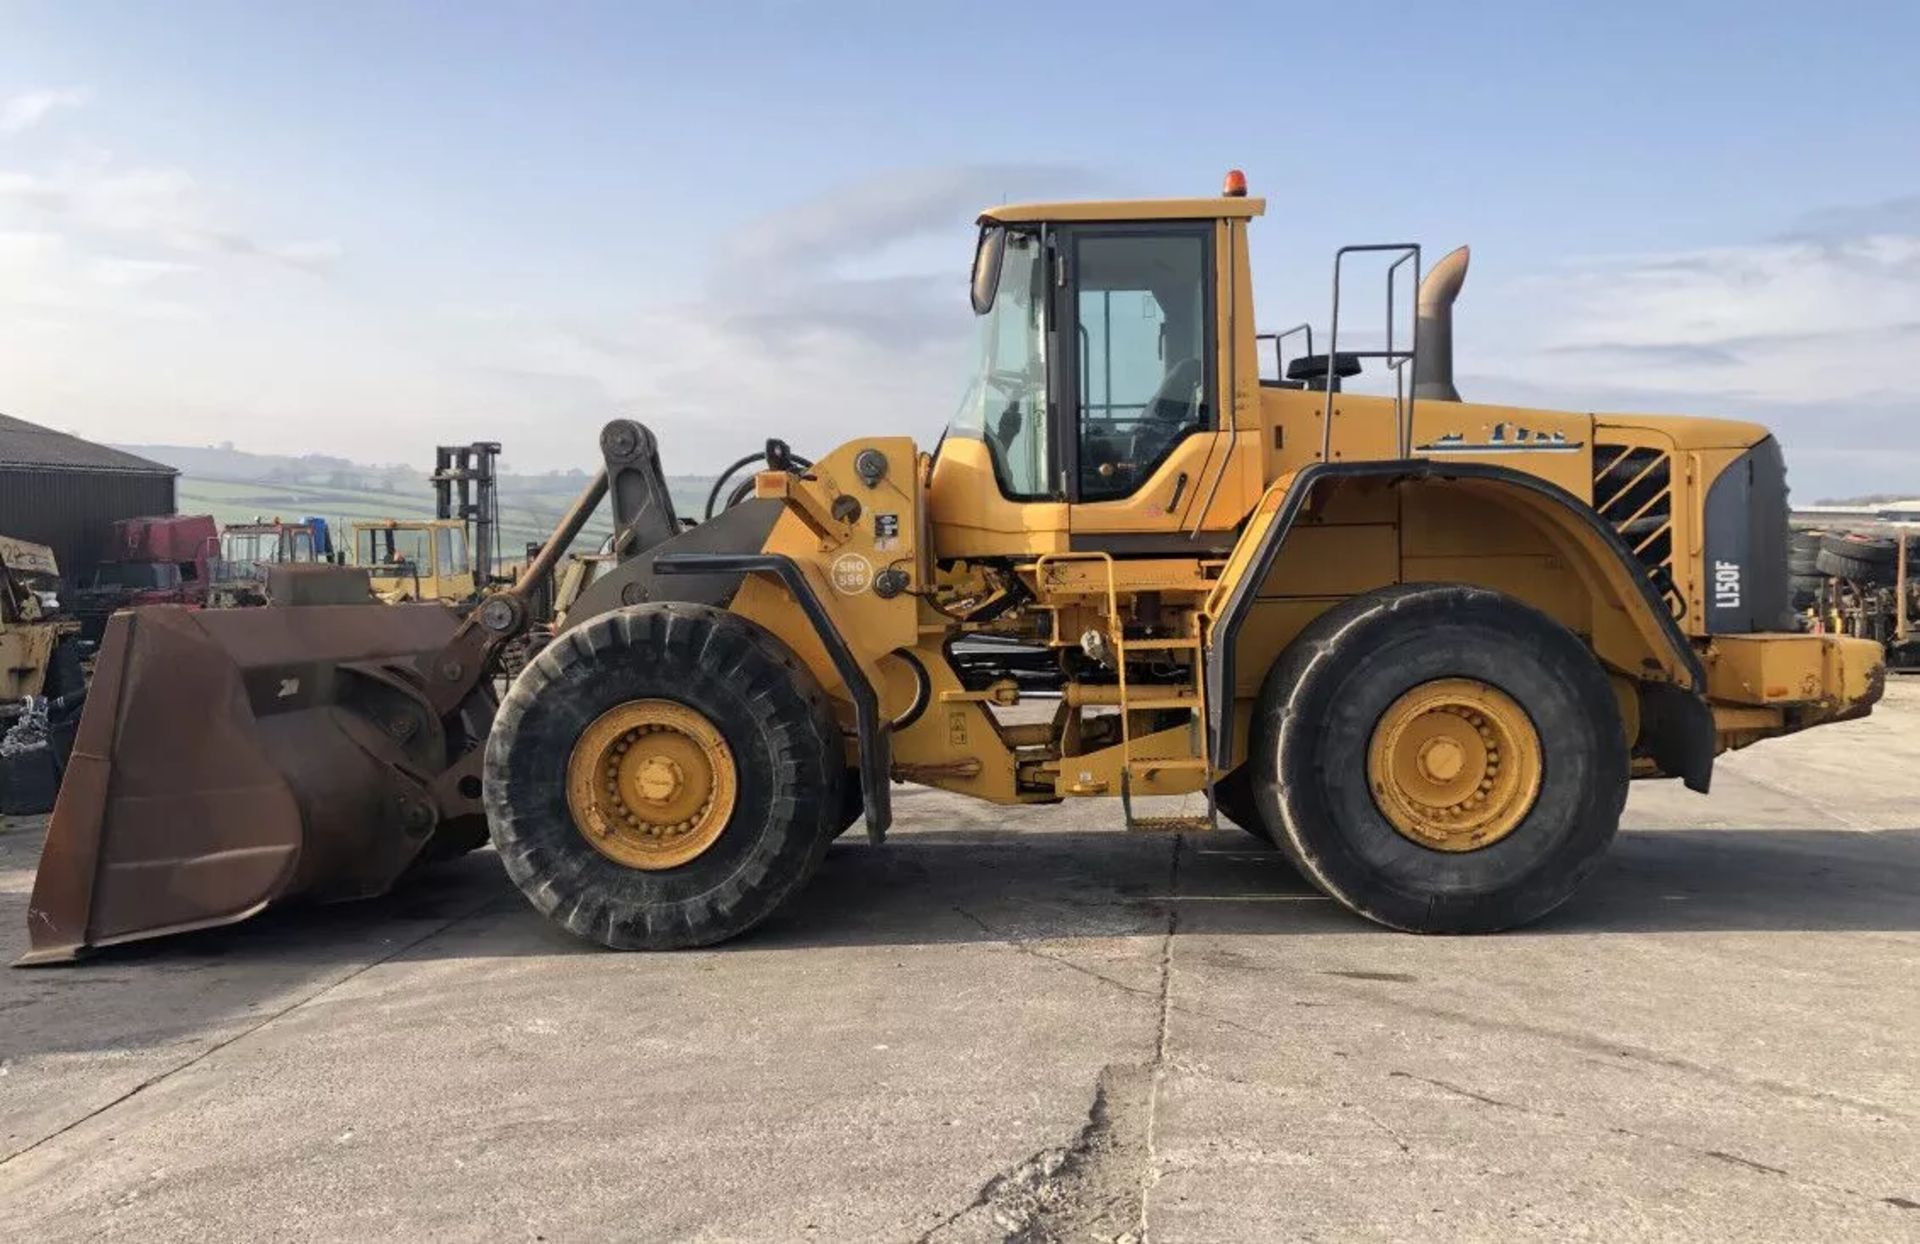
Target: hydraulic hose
779,458
727,475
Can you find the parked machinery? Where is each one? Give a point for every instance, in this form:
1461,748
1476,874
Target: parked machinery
1863,581
453,556
416,559
37,655
42,677
161,560
238,576
1419,644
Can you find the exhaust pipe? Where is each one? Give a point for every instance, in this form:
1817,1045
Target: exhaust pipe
1433,369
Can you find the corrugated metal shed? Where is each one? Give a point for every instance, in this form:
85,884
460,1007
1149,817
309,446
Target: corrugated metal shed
63,492
24,444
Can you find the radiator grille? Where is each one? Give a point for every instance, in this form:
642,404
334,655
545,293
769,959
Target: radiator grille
1633,492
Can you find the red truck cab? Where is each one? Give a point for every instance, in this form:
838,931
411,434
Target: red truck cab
162,560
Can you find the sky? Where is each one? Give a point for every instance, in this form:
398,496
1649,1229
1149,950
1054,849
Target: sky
367,228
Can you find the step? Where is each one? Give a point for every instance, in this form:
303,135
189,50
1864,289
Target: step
1169,824
1164,701
1167,762
1160,645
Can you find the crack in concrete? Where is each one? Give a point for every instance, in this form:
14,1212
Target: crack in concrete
1081,1191
1026,947
1472,1095
248,1031
1042,1171
1720,1155
1097,1187
1149,1167
1619,1050
1380,1123
1749,1163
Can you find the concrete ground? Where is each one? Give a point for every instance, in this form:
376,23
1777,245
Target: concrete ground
1060,1033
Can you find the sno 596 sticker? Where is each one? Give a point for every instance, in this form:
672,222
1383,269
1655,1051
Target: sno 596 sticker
852,574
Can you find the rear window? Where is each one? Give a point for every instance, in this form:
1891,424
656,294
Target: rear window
137,575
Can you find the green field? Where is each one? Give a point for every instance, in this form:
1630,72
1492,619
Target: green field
527,513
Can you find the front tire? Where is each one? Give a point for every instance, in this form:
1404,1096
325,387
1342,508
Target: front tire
722,764
1440,758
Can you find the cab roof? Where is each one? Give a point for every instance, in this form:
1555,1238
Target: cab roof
1221,207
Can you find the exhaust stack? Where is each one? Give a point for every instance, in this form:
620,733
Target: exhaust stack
1433,369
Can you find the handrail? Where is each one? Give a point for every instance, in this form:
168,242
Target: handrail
1403,399
1279,359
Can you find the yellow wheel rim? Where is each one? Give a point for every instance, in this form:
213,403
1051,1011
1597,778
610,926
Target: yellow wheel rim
651,784
1454,764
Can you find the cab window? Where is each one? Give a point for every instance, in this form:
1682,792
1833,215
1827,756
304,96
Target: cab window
1006,406
450,555
1142,331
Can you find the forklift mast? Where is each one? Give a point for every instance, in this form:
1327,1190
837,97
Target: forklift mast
464,488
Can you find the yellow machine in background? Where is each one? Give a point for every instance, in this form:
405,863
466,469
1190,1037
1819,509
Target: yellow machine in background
30,626
1419,644
410,560
451,557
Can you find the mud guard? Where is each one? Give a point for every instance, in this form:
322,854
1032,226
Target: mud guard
1686,730
875,744
633,581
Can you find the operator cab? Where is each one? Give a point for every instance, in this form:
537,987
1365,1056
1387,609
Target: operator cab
1098,379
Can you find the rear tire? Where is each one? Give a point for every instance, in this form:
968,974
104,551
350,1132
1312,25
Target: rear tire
1334,686
788,765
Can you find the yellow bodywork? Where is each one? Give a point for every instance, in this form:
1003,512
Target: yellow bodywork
437,569
27,635
1083,575
25,650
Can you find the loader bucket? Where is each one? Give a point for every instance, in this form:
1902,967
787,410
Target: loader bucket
226,760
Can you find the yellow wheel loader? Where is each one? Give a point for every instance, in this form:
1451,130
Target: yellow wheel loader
416,559
1418,643
35,660
450,557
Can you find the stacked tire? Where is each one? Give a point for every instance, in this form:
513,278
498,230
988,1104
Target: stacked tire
1803,568
1862,559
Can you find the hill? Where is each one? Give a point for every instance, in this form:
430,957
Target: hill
236,486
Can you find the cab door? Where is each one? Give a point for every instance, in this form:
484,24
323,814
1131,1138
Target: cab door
452,576
1141,380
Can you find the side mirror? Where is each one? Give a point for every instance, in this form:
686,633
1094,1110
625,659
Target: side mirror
986,266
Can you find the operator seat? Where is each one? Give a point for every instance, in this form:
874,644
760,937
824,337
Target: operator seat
1173,409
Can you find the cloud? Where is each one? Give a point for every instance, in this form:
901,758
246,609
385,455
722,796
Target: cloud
96,196
863,217
22,112
1899,215
132,302
1807,332
837,317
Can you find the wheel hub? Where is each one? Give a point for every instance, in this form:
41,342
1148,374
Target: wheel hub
1454,764
660,779
651,784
